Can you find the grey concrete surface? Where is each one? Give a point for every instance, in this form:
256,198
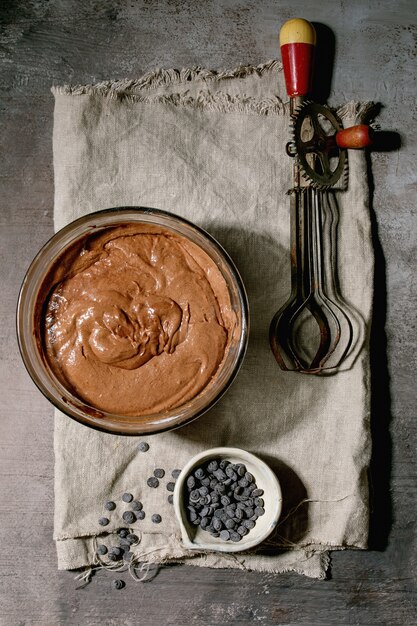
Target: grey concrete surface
58,41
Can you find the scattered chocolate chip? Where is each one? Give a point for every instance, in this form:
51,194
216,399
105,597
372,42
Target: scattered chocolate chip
117,551
159,473
110,506
143,446
127,497
170,499
128,556
170,486
129,517
140,515
131,538
136,505
123,532
103,521
113,557
157,519
102,549
153,482
175,473
118,584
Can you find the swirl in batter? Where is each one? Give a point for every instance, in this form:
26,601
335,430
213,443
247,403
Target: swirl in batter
137,319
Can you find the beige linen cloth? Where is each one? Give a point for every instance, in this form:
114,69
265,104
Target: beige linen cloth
209,146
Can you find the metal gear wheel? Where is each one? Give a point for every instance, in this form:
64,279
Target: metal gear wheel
321,161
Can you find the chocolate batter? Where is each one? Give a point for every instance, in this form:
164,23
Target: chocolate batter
137,319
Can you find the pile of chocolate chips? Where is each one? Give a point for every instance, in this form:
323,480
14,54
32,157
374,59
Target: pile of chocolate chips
223,499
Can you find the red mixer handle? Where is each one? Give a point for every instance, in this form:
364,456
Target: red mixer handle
355,137
297,40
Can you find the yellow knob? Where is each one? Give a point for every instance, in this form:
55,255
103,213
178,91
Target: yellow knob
297,30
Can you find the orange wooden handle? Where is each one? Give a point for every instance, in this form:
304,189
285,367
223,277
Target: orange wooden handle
355,137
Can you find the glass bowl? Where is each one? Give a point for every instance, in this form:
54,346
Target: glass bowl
29,328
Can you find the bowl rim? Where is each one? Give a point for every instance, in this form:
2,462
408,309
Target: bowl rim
225,451
95,422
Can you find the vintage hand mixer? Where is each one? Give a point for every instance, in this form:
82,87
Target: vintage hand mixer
313,332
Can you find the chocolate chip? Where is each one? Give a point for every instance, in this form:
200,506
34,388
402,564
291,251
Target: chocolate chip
127,497
137,506
175,473
225,535
170,499
103,521
157,519
113,557
220,475
217,525
128,556
159,473
129,517
241,469
248,523
143,446
242,531
195,495
131,538
102,549
123,532
140,514
213,466
170,486
230,524
118,584
117,551
234,536
152,482
110,506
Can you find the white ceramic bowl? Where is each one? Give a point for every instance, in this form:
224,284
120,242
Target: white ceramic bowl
195,538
